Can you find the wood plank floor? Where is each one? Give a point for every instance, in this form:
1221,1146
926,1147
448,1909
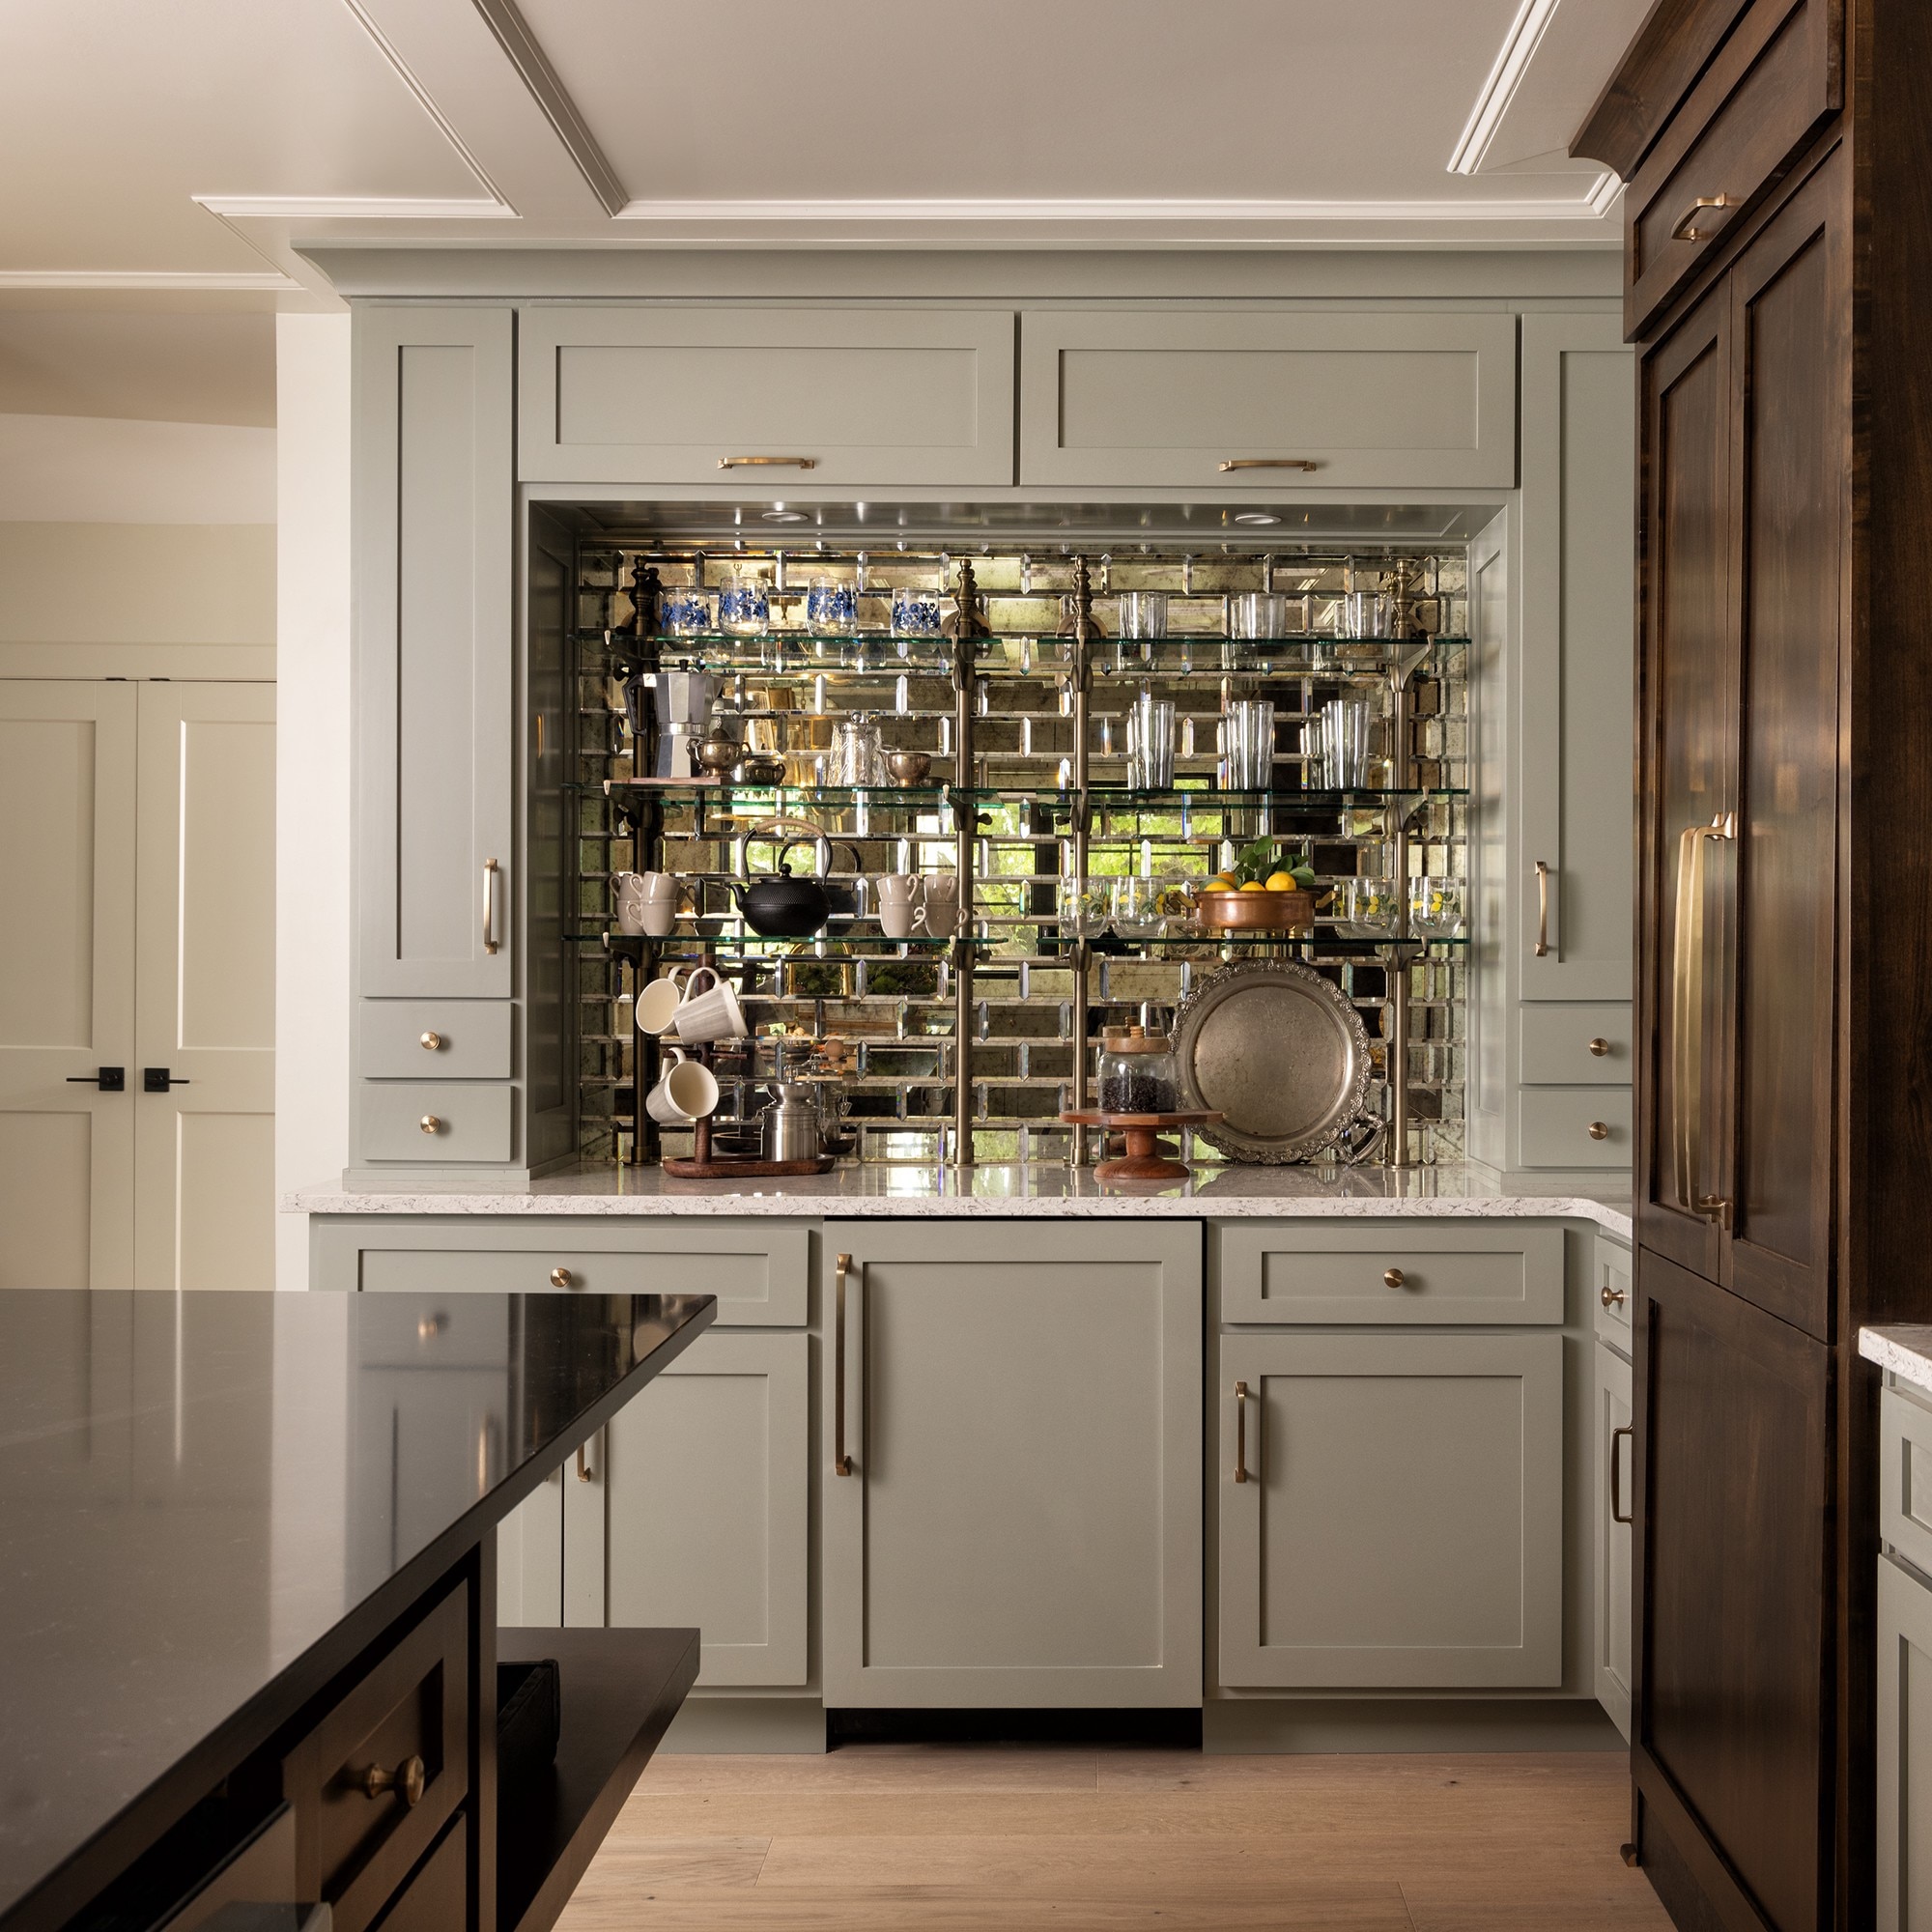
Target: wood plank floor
960,1838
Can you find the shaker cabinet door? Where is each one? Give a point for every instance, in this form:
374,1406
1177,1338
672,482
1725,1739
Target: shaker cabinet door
1391,1511
1615,1478
434,663
1010,1467
1904,1749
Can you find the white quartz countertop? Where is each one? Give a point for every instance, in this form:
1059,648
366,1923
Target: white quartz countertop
1905,1349
1049,1191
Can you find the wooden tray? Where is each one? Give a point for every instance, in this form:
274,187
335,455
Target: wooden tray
725,1167
1142,1160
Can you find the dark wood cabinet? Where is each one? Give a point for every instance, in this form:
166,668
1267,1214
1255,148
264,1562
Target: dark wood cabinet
1783,1051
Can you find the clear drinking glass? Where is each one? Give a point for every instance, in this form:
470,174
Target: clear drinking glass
1436,907
1368,614
1085,907
1257,613
743,605
1369,908
1144,614
915,613
1247,744
1151,743
1137,912
1343,723
831,606
685,610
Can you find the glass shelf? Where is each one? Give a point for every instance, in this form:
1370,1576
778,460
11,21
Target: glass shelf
1050,942
931,796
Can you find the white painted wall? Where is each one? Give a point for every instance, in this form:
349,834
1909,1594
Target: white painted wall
312,924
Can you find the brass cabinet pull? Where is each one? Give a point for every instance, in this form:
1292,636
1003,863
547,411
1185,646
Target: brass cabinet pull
1393,1277
1599,1049
430,1124
1240,1431
1618,1514
1611,1297
1687,968
1303,462
489,938
1682,229
768,462
430,1042
1542,909
407,1778
561,1277
583,1468
1599,1130
841,1463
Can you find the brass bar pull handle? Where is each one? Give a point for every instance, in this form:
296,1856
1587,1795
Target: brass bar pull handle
408,1779
768,462
841,1463
1684,228
489,938
1618,1514
1687,970
1240,1431
1542,909
1303,462
583,1468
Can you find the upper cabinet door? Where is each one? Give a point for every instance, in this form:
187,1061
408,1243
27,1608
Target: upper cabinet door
434,656
1170,400
1578,670
767,398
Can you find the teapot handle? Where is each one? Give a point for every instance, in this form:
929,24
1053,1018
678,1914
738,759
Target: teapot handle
765,827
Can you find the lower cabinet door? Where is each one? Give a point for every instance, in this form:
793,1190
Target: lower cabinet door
1615,1475
690,1508
1012,1506
1391,1510
1904,1749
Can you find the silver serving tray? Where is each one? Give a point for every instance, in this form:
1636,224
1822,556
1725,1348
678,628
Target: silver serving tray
1276,1050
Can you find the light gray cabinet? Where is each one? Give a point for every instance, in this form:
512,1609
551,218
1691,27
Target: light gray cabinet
1390,1510
823,397
1904,1749
1020,1524
1165,398
691,1508
1615,1467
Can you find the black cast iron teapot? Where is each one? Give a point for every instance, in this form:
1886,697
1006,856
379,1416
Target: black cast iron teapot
779,906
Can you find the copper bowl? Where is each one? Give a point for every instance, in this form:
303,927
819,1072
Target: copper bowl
1255,912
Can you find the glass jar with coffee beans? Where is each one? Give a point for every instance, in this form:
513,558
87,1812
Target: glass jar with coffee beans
1137,1072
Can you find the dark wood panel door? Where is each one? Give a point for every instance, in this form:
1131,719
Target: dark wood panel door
1791,409
1731,1733
1688,785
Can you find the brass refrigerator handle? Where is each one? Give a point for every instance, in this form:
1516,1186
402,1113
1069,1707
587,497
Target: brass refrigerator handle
1618,1514
768,462
583,1468
1542,909
490,941
1240,1431
841,1463
1302,463
1687,970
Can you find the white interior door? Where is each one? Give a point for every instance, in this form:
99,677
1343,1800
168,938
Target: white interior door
205,987
67,983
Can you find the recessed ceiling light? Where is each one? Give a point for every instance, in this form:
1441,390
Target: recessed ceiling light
783,515
1255,517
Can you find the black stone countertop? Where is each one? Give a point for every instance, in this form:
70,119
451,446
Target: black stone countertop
209,1501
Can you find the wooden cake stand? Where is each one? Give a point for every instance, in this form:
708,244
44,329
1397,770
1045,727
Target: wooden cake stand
1141,1162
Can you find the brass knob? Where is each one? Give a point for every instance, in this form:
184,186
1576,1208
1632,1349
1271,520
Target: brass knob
430,1124
1598,1047
408,1778
1393,1277
432,1040
561,1277
1599,1132
1611,1297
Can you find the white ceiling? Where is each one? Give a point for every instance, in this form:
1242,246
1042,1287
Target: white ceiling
192,148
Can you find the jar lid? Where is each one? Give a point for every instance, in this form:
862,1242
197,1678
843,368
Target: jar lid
1132,1040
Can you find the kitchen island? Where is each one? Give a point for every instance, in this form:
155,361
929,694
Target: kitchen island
1302,1458
248,1628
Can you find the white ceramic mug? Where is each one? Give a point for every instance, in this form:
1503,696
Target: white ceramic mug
686,1090
900,918
899,888
939,903
711,1014
646,902
658,1002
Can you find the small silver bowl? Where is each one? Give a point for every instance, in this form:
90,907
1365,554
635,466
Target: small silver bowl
909,768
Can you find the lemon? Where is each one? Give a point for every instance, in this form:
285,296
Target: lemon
1281,882
1254,886
1219,883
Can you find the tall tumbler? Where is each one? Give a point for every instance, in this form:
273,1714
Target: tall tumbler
1151,743
1247,744
1344,744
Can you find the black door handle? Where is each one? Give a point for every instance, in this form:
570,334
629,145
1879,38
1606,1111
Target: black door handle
157,1080
110,1079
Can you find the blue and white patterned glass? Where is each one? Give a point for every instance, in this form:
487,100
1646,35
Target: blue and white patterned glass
915,613
830,606
745,606
684,612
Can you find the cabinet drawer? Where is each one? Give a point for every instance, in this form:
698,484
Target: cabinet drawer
436,1899
448,1040
469,1123
1559,1127
353,1849
1332,1272
669,395
1133,398
1905,1478
1610,1296
1560,1044
758,1273
1772,84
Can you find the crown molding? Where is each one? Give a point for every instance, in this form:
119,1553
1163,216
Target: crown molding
137,280
1511,63
352,208
1584,206
532,65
